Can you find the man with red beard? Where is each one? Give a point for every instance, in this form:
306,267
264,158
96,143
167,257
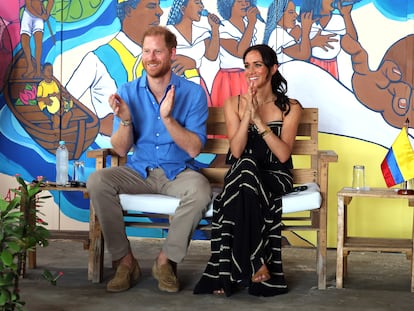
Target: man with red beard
163,118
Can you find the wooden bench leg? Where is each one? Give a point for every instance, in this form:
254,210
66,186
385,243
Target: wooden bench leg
321,253
321,248
412,259
96,249
31,258
345,263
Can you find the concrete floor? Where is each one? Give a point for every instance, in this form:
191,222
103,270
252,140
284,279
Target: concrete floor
376,281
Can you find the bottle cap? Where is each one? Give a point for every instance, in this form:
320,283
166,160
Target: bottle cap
62,142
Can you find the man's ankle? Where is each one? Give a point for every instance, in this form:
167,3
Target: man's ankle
162,259
127,260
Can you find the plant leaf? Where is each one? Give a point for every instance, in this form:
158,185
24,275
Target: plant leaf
15,247
6,257
4,297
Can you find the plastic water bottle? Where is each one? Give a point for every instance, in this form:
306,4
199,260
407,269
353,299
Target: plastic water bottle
62,164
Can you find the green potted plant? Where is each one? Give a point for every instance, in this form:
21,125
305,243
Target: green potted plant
20,231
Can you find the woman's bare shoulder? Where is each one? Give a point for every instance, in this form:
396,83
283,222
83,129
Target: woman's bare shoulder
295,109
295,102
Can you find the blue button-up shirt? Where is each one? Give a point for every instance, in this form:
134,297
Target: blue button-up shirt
154,146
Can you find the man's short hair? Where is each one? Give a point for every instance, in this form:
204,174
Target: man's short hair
169,38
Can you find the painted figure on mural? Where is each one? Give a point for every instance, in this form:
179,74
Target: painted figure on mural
56,105
32,24
287,37
328,22
388,89
195,39
103,70
41,105
283,33
237,33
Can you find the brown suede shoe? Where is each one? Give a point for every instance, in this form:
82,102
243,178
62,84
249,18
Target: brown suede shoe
167,280
124,278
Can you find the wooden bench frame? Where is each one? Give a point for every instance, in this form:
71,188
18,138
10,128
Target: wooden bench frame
315,170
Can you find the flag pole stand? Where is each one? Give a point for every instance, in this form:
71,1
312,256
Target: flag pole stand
405,190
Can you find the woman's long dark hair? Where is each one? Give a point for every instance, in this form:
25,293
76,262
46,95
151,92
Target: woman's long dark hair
279,83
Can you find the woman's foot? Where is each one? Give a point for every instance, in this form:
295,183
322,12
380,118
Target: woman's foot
261,275
219,292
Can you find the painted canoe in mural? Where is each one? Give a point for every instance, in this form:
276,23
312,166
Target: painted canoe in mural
65,118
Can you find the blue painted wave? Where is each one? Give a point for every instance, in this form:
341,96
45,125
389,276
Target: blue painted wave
19,154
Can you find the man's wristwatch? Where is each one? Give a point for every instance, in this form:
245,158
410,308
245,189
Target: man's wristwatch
126,122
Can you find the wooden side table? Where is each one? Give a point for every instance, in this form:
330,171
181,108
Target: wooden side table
61,234
346,244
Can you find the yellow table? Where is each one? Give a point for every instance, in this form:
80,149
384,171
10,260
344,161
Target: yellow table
346,244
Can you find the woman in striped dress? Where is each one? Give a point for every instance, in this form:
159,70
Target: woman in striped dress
246,232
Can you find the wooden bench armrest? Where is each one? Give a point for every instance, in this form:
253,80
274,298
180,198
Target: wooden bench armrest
327,156
324,158
101,155
103,152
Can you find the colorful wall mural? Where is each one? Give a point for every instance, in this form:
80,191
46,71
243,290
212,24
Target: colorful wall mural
60,60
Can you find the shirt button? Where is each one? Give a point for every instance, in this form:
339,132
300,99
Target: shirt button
157,147
157,134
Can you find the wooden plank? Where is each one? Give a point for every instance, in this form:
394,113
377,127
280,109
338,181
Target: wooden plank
377,244
216,128
73,235
303,175
375,193
309,147
216,146
96,248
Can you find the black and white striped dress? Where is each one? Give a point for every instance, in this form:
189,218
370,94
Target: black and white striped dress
246,224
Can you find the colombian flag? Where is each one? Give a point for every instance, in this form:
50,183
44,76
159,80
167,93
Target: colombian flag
398,165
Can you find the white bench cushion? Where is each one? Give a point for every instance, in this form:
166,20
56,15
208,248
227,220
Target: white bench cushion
162,204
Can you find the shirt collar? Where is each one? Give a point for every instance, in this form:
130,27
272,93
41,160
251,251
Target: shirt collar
175,80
